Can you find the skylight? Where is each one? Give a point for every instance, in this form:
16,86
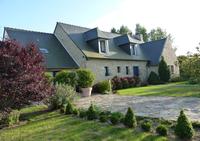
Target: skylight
44,50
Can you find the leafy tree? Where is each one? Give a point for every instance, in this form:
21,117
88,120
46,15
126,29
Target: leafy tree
182,64
22,75
184,127
113,30
124,30
153,78
141,30
163,71
130,119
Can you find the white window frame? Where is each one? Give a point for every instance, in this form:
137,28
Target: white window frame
106,46
133,49
44,50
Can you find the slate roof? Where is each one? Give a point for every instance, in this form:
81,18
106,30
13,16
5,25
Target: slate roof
76,33
153,50
56,58
125,39
94,34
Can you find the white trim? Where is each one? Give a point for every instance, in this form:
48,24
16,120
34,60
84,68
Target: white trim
106,46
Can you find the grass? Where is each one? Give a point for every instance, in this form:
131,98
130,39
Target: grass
43,125
172,89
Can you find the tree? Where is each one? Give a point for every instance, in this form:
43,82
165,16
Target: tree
130,119
159,33
22,77
153,78
184,127
163,71
141,30
124,30
113,30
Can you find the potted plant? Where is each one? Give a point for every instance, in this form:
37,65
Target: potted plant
85,81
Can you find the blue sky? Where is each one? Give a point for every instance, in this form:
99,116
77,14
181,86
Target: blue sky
180,18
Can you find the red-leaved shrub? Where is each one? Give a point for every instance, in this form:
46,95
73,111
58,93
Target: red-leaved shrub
21,75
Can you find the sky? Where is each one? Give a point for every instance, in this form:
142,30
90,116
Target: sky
180,18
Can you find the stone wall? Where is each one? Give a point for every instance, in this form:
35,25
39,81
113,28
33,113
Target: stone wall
170,58
98,67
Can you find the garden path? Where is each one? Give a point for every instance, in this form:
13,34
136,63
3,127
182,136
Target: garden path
151,106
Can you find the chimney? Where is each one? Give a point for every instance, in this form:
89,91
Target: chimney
139,37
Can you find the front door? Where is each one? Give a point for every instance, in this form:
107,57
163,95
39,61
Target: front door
136,71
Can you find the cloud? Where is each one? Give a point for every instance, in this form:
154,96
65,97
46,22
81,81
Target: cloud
180,18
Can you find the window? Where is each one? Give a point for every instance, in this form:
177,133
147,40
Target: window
106,71
103,46
118,69
136,71
127,70
132,50
44,50
172,69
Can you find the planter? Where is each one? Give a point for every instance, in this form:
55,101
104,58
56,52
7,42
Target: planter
86,92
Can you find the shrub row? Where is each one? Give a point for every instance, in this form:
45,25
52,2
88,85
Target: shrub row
124,82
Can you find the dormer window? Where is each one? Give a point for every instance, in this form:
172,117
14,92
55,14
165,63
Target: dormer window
132,50
103,46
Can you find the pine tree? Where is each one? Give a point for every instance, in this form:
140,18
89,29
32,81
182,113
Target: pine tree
130,120
163,71
184,127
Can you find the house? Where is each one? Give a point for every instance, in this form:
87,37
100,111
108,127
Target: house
106,54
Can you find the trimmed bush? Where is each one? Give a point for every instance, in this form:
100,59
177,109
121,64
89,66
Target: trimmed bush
146,126
85,78
82,113
130,120
102,87
125,83
153,78
61,77
9,119
161,130
104,116
163,71
193,80
116,118
63,94
184,128
69,108
92,113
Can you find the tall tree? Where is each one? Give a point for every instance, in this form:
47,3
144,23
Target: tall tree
158,33
113,30
124,30
163,71
21,75
141,30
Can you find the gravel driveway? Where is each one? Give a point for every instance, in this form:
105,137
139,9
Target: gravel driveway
152,106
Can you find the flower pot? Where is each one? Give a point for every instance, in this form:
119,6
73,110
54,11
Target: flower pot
86,92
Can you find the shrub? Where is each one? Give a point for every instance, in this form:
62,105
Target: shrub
92,113
184,128
196,124
76,112
146,126
63,108
125,83
176,79
116,83
63,94
193,80
130,120
65,77
82,113
102,87
22,78
49,77
61,77
85,78
161,130
69,108
153,78
116,117
104,116
163,71
9,119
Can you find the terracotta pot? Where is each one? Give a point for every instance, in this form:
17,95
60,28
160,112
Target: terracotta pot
86,92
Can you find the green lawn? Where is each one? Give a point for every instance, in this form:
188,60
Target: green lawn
171,89
52,126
